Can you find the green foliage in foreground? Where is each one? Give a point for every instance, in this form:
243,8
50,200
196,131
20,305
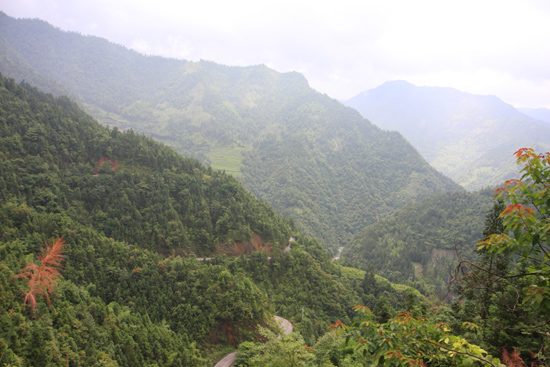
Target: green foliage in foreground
278,350
402,341
510,284
407,340
527,225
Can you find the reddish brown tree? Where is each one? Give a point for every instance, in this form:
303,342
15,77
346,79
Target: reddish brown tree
41,280
512,359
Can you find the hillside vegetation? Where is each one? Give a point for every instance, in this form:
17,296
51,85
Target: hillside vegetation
306,154
132,212
420,241
153,197
117,251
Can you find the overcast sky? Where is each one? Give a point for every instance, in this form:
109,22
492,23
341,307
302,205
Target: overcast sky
499,47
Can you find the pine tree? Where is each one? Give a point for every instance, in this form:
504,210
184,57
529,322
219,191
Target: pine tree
41,280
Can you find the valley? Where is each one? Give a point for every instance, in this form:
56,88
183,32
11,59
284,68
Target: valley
195,201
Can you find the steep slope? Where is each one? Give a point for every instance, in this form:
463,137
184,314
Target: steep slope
306,154
132,188
468,137
122,203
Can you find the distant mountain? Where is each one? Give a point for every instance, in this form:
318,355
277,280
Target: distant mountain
468,137
541,114
306,154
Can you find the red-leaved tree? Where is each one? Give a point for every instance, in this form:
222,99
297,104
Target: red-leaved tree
41,280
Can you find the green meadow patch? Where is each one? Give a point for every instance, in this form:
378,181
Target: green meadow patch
227,159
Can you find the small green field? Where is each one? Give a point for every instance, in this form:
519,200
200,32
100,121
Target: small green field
227,159
353,273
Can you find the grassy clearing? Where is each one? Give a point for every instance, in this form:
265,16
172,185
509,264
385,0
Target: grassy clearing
227,159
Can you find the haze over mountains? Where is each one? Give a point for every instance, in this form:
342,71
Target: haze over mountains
541,114
167,262
468,137
306,154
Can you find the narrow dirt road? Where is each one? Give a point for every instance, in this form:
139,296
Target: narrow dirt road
229,359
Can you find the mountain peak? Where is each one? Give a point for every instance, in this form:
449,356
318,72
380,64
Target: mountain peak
397,83
466,136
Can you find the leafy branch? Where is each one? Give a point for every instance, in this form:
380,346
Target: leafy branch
406,340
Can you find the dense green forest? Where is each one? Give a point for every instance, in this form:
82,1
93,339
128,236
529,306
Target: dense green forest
117,251
132,291
424,240
304,153
154,197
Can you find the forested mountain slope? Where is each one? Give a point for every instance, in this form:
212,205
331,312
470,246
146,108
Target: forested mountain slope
468,137
119,181
127,207
306,154
421,235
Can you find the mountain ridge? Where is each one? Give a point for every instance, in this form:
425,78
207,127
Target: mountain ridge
466,136
254,122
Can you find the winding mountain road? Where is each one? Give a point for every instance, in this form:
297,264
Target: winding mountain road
284,324
286,249
229,359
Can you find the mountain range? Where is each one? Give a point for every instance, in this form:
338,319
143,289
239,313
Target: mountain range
306,154
467,137
115,250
